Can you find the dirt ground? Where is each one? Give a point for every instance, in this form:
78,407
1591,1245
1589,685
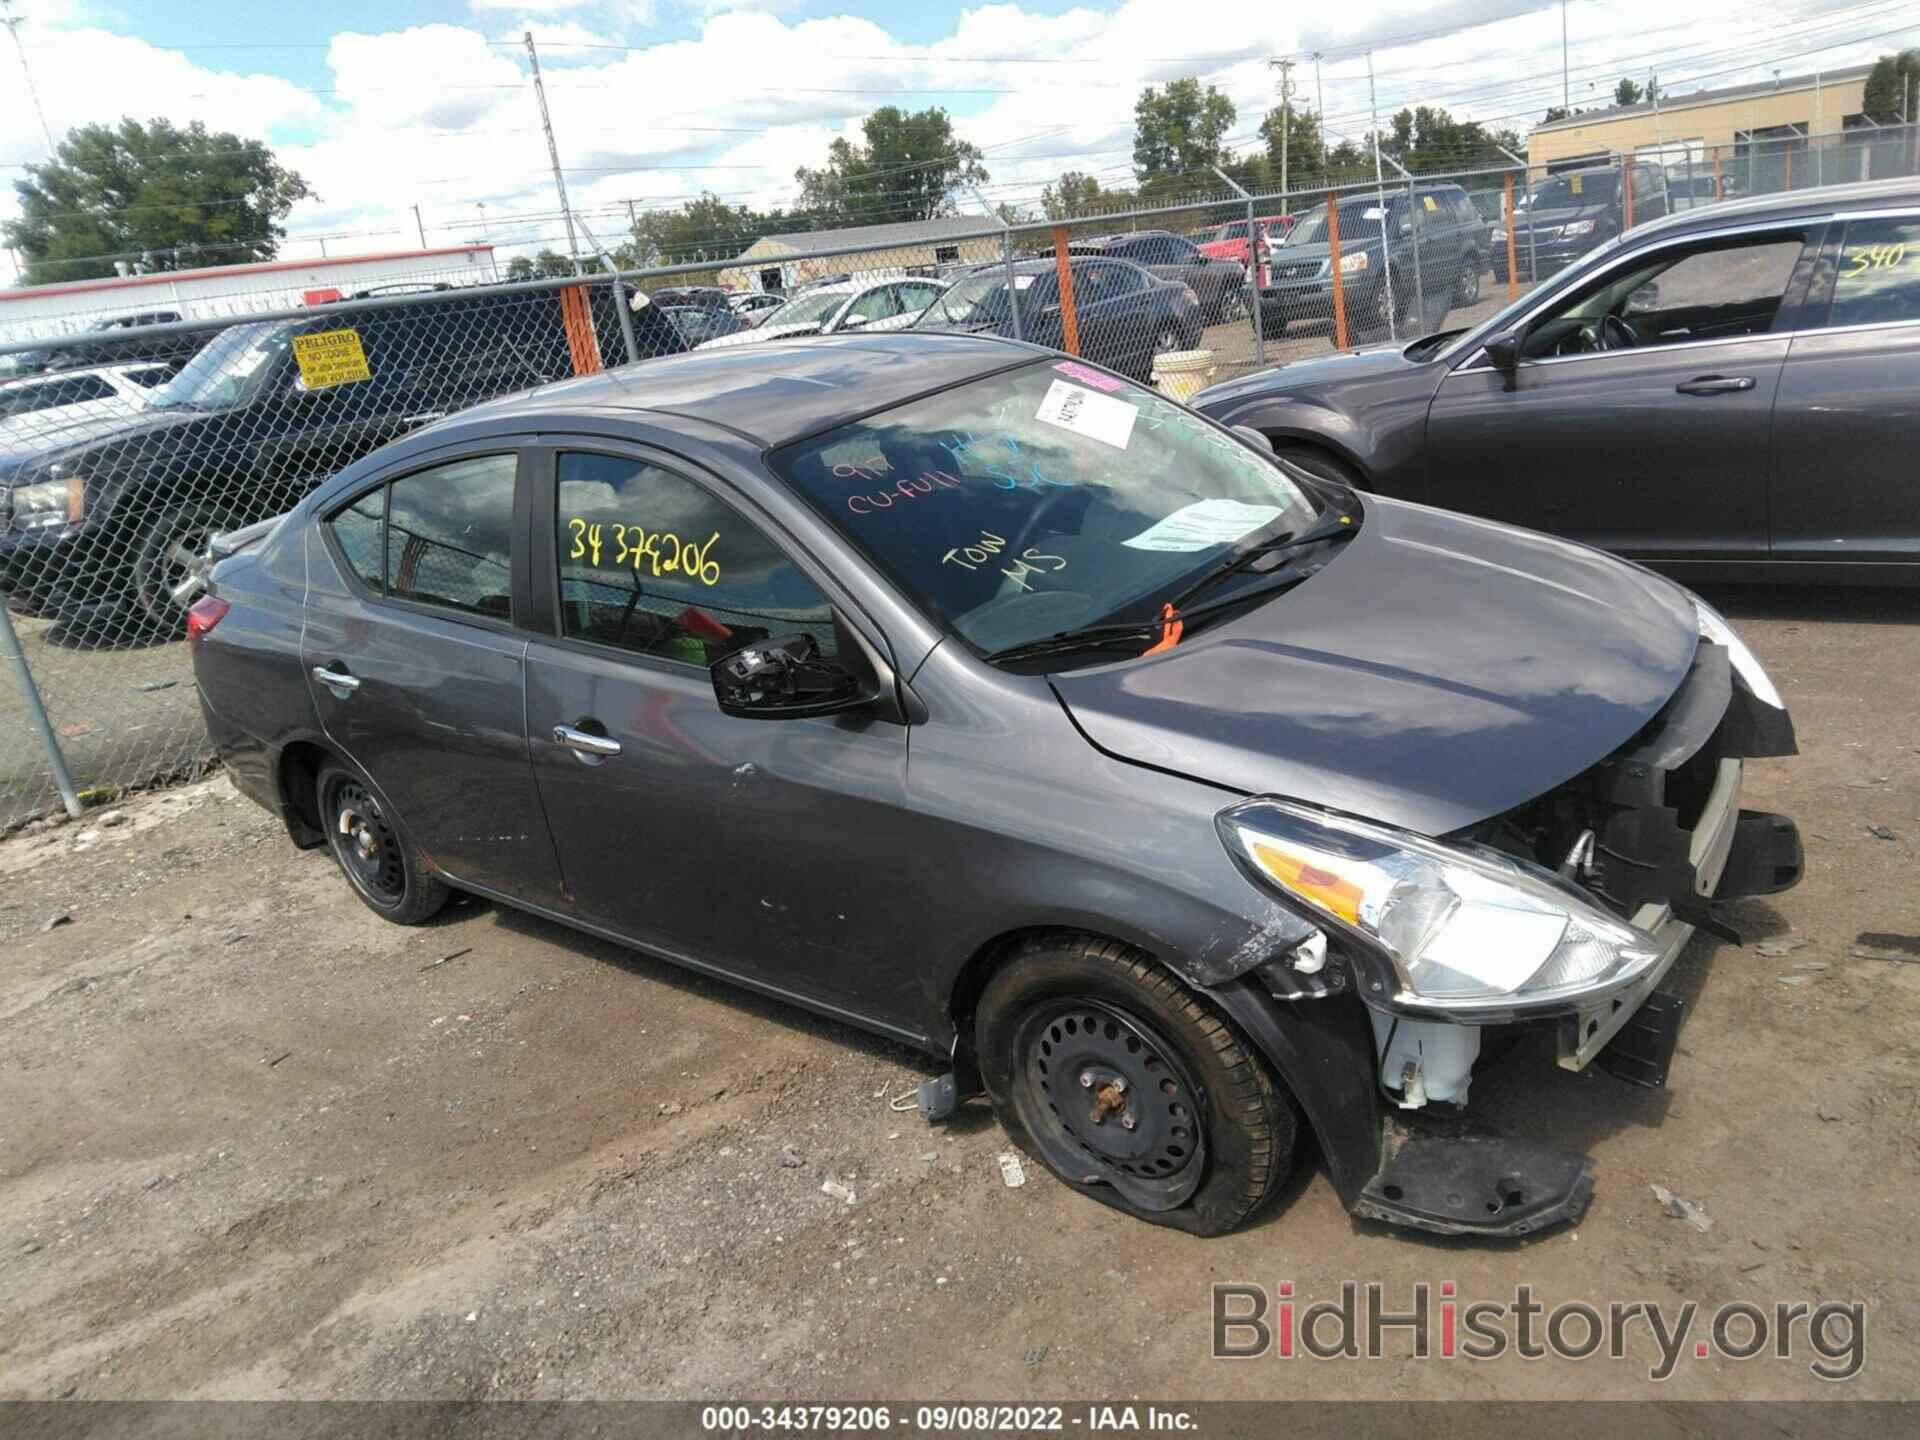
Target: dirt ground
256,1143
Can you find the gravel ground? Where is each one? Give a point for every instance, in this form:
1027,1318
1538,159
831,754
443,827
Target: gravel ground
257,1143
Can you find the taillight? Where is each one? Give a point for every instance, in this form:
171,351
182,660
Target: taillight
207,612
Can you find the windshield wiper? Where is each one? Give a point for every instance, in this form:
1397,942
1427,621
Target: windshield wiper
1332,524
1118,636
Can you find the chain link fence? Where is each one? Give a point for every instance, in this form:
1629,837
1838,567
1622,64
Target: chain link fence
123,451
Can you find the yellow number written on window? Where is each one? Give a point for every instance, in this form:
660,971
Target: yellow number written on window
664,551
1876,257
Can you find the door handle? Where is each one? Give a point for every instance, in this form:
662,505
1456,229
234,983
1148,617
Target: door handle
588,748
423,417
338,681
1715,385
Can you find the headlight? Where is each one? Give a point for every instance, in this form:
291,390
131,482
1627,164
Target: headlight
1451,927
1714,627
1577,227
1350,264
47,503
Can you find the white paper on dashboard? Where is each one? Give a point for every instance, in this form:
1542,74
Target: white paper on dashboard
1089,413
1204,524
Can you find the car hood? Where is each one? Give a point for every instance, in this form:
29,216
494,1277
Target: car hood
1560,216
1340,365
19,452
1440,670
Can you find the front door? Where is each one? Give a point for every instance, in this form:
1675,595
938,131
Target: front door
1638,418
762,848
417,673
1846,430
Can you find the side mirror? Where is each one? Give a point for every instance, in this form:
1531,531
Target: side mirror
1255,438
853,322
1503,353
786,678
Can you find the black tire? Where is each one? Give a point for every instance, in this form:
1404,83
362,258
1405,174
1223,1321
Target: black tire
1467,292
384,867
1067,1017
1315,461
168,547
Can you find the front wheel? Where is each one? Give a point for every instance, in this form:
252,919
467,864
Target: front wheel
165,558
380,863
1129,1087
1468,290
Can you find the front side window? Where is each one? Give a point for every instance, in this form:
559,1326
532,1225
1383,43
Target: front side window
449,536
1038,500
653,563
876,304
1878,279
1716,292
232,370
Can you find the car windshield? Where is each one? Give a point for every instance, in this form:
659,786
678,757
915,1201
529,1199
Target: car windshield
1565,192
1359,219
811,309
1043,499
1233,230
979,299
228,372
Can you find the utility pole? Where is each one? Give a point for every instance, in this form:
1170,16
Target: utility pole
13,22
1285,67
481,206
419,228
1380,208
1566,86
1319,100
553,153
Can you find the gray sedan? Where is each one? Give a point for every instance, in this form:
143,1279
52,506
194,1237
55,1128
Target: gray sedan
1176,801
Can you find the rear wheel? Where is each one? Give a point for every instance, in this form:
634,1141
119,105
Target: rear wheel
1129,1087
381,864
1468,291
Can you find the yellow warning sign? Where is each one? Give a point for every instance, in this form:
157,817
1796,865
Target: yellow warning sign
1573,183
1430,204
332,357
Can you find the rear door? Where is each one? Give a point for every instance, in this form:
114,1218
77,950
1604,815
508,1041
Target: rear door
416,671
1846,472
1660,447
762,848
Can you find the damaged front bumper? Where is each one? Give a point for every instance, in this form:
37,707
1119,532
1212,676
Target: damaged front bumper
1657,834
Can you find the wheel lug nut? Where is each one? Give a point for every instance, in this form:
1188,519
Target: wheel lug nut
1086,1079
1126,1122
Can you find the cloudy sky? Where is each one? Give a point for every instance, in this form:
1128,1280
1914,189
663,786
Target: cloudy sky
385,106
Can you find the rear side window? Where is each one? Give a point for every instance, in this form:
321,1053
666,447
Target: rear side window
1878,280
439,537
655,564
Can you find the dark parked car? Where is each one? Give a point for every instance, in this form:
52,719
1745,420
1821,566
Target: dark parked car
705,297
1219,283
107,523
1124,316
1238,804
1378,246
1724,393
1574,212
698,324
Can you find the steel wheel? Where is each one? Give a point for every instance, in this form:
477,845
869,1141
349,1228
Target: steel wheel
367,846
1166,340
1106,1098
168,555
1469,291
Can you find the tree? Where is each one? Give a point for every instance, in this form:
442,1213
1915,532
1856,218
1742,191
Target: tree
1444,143
1626,92
157,196
1306,157
547,265
903,171
1178,130
702,229
1075,194
1891,86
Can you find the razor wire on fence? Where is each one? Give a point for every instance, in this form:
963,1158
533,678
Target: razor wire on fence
125,449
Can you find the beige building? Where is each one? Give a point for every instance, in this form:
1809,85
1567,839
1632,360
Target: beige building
770,263
1765,120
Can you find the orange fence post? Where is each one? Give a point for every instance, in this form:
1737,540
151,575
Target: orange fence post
1789,184
1333,259
1063,271
1513,259
1626,179
577,318
1718,194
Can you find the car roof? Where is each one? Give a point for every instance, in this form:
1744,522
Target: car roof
773,392
1827,199
47,377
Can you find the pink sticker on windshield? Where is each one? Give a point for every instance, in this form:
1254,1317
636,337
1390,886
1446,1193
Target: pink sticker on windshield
1073,370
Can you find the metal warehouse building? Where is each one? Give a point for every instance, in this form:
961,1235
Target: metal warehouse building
915,244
